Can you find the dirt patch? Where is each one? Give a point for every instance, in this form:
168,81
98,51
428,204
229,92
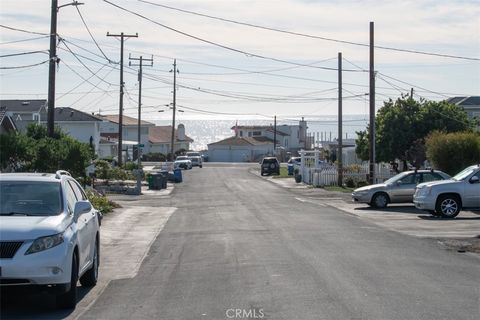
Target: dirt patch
463,245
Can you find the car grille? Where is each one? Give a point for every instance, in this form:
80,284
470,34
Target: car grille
9,248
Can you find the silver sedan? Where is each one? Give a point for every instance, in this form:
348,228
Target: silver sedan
397,189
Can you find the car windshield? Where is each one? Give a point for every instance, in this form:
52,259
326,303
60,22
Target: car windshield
270,160
463,174
30,198
182,158
394,179
193,154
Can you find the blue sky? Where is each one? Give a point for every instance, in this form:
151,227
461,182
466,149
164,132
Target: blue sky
288,81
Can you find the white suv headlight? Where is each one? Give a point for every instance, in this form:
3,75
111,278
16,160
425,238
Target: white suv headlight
45,243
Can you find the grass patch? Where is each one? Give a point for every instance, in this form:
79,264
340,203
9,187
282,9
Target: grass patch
101,202
283,173
339,189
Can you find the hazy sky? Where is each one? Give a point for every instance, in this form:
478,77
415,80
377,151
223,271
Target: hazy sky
239,69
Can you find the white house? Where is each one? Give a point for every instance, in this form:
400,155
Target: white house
240,149
24,112
471,105
292,138
160,139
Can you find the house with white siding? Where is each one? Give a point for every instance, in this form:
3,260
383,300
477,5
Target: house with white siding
160,139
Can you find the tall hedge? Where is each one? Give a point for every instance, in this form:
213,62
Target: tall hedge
452,152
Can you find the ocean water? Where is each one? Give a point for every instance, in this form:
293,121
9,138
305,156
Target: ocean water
207,131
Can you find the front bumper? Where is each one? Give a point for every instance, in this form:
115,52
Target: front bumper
49,267
424,203
361,197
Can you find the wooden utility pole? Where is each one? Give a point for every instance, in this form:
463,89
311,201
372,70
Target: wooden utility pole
340,120
275,135
372,108
174,105
140,74
120,107
53,60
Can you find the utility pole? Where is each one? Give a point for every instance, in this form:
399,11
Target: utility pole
411,93
53,60
275,135
139,153
372,108
340,119
140,74
174,105
120,107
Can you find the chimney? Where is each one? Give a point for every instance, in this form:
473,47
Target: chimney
181,132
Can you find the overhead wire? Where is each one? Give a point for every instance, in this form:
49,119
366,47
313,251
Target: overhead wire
312,36
93,39
216,44
23,53
24,66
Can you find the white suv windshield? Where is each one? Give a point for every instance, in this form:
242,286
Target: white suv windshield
30,198
193,154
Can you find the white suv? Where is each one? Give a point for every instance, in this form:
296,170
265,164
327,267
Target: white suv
195,157
447,197
49,234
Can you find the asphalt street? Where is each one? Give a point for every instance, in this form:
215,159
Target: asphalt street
229,244
239,246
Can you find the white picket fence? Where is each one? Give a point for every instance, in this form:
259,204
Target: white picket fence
319,174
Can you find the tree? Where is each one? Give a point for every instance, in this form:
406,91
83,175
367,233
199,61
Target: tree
452,152
35,151
402,125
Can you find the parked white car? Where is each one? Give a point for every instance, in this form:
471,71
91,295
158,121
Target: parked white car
182,162
49,234
195,157
447,198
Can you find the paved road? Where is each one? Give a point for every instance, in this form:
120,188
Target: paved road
235,246
240,246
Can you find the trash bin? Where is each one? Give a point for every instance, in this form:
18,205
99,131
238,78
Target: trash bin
157,181
290,169
177,173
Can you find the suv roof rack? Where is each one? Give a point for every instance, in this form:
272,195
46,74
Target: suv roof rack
61,173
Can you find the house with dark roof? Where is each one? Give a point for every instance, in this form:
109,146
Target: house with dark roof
24,112
470,104
160,139
82,126
6,122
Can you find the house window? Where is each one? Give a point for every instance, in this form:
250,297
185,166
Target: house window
249,134
241,133
257,133
36,117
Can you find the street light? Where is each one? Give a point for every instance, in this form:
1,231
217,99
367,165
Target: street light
51,66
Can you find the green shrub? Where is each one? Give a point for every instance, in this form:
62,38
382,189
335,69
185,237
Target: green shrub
350,182
452,152
101,202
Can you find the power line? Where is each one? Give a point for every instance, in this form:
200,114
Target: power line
312,36
24,40
25,66
22,30
23,53
248,54
93,39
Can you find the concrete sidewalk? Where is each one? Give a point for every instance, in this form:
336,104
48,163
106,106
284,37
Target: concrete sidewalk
126,236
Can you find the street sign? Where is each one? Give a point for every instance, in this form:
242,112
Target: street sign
141,145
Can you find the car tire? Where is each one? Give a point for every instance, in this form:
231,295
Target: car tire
380,200
89,279
68,300
448,206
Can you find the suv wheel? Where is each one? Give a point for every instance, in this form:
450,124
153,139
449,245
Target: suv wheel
380,200
68,300
448,206
89,279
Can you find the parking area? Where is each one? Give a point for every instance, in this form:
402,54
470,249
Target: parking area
404,218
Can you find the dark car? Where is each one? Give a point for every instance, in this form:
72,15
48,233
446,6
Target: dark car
270,165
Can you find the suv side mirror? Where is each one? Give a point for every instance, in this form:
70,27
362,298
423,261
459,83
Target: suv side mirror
474,179
82,206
